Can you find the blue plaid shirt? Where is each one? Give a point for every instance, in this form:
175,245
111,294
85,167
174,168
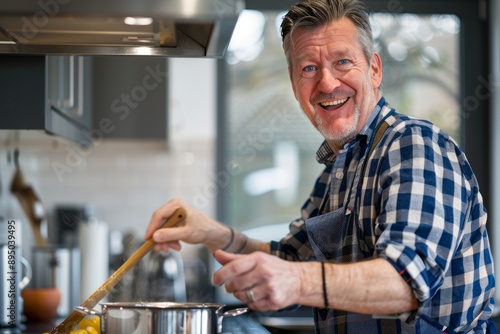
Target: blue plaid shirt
419,208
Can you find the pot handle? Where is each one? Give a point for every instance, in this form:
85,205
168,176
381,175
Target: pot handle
29,273
235,312
230,313
87,311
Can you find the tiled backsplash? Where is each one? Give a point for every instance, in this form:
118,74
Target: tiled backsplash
124,181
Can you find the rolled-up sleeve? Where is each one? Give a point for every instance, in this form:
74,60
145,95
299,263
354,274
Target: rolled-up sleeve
429,201
425,203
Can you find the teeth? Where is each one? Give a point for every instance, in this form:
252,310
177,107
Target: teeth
333,103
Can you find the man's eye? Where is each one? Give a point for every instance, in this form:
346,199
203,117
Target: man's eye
343,62
309,68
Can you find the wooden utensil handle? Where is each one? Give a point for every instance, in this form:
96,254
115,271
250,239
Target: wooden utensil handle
75,317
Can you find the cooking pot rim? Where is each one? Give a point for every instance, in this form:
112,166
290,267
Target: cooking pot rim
162,305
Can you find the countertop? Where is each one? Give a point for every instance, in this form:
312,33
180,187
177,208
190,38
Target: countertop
241,324
298,321
233,325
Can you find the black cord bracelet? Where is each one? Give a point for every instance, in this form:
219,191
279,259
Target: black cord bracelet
325,295
243,245
230,240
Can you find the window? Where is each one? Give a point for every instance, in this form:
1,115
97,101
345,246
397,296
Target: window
432,69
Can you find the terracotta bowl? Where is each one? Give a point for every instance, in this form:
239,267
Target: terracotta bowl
40,304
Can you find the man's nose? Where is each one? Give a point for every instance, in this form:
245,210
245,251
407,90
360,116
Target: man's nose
328,81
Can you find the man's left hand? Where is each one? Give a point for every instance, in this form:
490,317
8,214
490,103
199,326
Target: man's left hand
264,282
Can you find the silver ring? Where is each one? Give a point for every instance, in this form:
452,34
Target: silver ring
250,296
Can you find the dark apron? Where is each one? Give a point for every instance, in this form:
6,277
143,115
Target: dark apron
335,237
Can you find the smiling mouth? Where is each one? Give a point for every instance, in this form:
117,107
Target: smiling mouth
335,103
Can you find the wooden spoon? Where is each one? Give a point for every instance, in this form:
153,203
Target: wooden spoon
76,316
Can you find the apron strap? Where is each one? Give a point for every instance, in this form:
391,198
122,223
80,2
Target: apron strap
376,139
354,192
378,135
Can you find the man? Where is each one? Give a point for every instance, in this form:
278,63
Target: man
393,237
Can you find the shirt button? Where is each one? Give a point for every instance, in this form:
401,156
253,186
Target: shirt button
339,175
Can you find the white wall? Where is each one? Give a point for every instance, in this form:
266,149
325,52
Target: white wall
192,94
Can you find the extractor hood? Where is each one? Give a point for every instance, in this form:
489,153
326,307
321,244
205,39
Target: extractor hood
176,28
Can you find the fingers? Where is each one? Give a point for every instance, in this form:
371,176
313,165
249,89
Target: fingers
165,247
160,215
224,257
231,268
236,275
248,296
260,280
171,234
256,299
239,273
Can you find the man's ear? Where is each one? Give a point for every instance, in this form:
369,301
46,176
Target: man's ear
376,70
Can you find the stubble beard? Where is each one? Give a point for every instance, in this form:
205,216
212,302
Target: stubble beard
341,136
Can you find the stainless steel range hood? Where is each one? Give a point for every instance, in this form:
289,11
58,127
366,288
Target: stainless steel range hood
177,28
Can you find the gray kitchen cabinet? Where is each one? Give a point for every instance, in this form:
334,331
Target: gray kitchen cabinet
49,93
83,98
130,97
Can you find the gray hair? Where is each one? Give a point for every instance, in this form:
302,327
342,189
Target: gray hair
310,14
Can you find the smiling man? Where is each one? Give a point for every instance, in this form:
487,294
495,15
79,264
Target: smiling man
392,238
334,82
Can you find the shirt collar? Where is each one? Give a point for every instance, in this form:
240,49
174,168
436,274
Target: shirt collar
325,154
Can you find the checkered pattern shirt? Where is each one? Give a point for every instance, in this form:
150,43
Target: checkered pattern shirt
419,208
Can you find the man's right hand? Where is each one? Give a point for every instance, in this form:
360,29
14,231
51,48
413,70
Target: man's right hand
197,228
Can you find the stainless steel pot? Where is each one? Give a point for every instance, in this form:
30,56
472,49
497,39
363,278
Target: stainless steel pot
162,317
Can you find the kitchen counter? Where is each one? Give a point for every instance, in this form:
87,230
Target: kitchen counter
230,326
233,325
292,320
243,324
